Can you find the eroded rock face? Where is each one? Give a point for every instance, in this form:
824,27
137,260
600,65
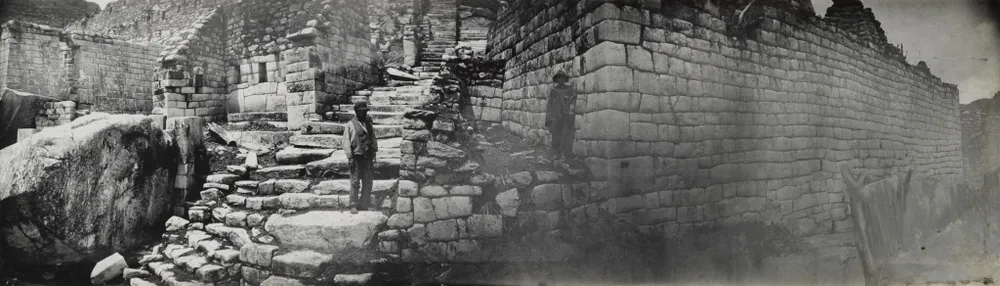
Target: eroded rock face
84,190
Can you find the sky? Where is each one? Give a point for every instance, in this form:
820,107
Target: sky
959,39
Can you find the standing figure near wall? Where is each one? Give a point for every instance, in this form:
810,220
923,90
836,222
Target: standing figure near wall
560,116
360,145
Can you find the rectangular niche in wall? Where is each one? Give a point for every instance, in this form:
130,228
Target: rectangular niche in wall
262,72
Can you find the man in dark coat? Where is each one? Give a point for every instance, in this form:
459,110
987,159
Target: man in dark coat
560,116
360,145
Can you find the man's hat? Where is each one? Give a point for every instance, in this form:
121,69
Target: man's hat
560,75
363,105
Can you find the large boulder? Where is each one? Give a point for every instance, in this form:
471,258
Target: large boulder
341,234
84,190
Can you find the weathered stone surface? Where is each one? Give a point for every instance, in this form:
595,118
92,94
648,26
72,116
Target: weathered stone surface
297,201
253,275
322,128
291,186
466,191
130,273
352,279
107,269
443,230
484,226
452,207
211,273
280,172
293,155
423,210
432,191
282,281
548,196
521,179
259,203
211,194
509,202
331,187
325,141
176,223
340,234
258,254
225,179
102,183
404,205
407,188
300,264
439,149
401,220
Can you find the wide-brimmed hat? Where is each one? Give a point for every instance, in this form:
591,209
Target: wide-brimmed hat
560,75
362,105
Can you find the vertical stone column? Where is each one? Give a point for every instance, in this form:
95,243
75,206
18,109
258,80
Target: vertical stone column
187,133
303,72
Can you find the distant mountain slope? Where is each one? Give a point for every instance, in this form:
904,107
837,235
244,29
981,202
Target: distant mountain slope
56,13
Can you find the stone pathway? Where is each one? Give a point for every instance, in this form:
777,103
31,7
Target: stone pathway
287,223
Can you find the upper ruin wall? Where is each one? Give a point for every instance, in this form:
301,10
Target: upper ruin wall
55,13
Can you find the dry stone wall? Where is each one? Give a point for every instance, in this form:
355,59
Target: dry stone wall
192,76
684,126
100,73
296,62
980,125
163,22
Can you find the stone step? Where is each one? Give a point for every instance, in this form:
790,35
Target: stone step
257,116
340,234
193,266
297,186
337,128
390,100
378,118
375,108
313,265
279,172
294,155
258,205
327,141
387,165
323,127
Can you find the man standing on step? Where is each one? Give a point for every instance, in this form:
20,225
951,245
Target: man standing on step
360,145
560,116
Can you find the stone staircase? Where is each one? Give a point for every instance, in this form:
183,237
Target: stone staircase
288,223
277,225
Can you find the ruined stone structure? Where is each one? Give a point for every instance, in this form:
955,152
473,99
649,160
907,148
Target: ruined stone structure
55,13
683,126
98,72
980,125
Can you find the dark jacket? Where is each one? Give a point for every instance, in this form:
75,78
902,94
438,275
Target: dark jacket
561,98
359,141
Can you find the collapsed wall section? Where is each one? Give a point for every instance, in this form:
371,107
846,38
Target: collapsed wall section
193,72
100,73
687,126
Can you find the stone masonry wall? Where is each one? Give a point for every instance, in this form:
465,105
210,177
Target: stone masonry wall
193,77
980,125
311,60
683,126
111,75
34,59
98,72
163,22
